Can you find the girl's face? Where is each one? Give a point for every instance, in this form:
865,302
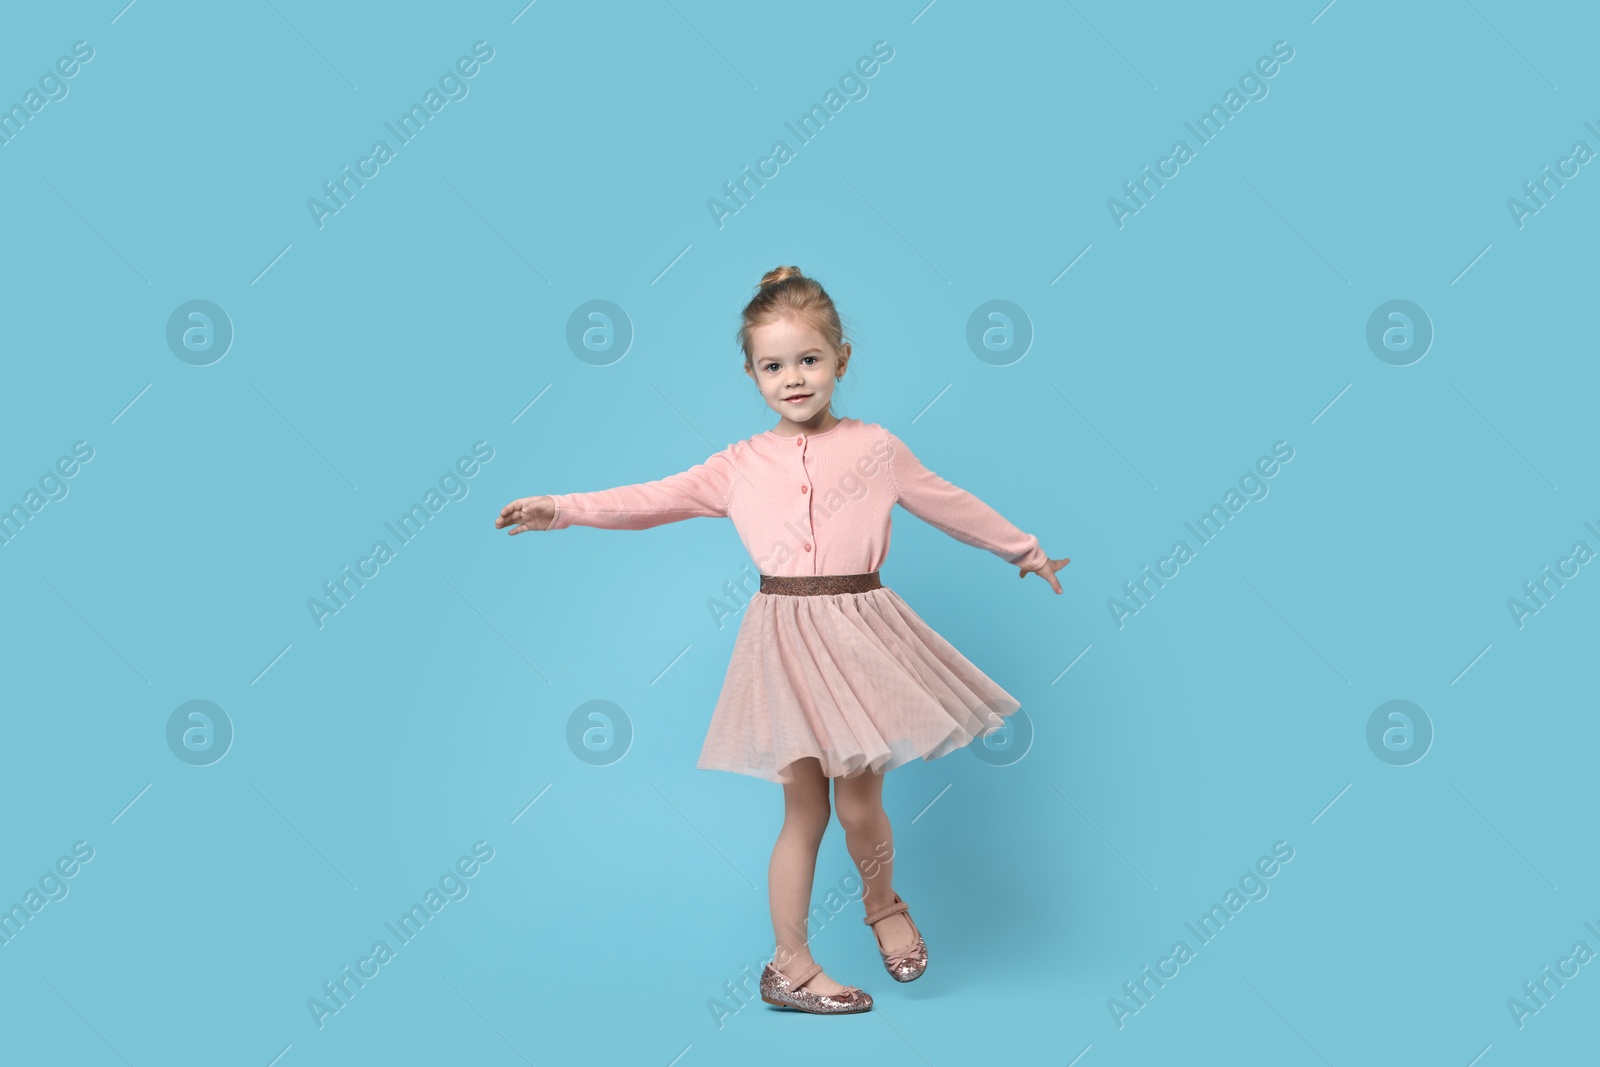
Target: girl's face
789,358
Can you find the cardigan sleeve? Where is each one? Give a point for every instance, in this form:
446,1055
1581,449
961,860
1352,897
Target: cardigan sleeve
704,490
957,512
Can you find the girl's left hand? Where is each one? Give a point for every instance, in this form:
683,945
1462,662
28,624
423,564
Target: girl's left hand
1048,572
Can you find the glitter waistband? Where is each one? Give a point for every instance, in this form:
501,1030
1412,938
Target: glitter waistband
819,584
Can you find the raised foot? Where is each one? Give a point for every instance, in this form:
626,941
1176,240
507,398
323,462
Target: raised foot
895,935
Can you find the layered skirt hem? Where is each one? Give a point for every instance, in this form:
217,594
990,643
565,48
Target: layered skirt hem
857,681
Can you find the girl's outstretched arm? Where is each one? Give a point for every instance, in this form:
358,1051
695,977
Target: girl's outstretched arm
957,512
704,490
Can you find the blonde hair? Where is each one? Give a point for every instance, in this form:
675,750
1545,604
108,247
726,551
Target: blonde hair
785,291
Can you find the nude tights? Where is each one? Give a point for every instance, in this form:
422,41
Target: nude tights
792,871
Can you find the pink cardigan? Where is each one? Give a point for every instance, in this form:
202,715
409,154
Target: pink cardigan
808,504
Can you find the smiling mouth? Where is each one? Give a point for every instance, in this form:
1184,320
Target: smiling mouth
796,399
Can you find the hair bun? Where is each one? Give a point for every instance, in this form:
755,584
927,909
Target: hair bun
779,274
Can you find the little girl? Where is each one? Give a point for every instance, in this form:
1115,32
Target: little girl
832,676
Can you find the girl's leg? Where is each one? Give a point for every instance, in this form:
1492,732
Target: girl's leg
859,802
794,867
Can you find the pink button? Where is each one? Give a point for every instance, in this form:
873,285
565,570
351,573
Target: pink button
799,441
808,546
803,489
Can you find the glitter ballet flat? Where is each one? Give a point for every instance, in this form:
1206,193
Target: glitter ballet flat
908,964
784,992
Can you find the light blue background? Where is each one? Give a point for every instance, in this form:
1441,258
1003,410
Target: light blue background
1228,314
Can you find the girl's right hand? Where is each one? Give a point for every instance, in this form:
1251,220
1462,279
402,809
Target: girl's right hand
1047,572
530,513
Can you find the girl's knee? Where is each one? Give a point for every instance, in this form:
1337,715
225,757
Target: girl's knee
809,815
805,798
858,816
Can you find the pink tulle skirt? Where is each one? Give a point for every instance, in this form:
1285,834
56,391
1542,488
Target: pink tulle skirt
856,680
